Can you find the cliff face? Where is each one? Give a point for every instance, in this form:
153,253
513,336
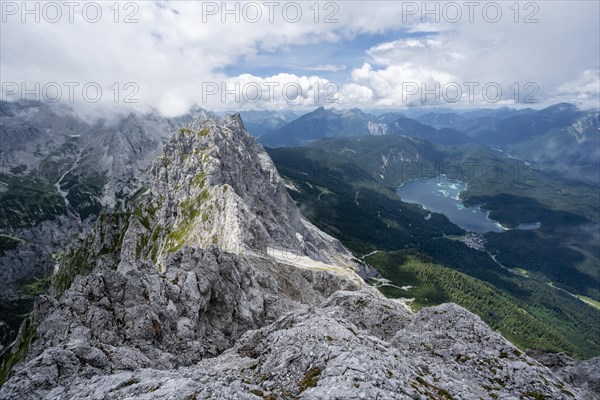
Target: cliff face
215,186
213,286
58,171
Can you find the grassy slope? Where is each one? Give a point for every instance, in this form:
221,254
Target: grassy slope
432,284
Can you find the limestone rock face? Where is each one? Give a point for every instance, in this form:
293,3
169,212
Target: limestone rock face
72,167
216,186
30,257
314,352
206,300
212,285
582,374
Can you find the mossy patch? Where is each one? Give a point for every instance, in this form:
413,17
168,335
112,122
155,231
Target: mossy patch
81,260
433,391
310,379
190,210
533,395
166,161
199,180
77,262
137,194
7,243
19,351
33,287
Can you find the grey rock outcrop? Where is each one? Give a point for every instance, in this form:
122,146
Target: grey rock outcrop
325,352
216,186
31,257
58,171
111,321
583,374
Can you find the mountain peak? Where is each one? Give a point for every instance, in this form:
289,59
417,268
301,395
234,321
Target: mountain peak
320,112
235,120
215,186
560,107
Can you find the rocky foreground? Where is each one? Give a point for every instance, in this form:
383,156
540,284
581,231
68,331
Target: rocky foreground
213,286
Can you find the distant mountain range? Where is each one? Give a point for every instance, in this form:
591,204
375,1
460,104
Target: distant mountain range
561,138
326,123
321,123
497,127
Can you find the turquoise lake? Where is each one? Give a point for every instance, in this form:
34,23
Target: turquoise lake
441,195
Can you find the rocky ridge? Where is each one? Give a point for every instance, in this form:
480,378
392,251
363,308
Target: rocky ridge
58,171
213,286
216,186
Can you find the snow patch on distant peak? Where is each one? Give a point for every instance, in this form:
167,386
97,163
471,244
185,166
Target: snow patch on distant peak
377,129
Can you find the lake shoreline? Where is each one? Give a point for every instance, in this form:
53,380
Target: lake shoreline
439,194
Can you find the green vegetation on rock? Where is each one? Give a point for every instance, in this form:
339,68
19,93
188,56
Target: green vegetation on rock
26,337
108,233
33,287
7,243
310,379
204,132
190,211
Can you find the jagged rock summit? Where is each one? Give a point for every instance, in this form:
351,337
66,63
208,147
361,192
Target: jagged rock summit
212,285
216,186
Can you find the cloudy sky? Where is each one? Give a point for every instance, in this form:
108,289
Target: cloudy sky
255,55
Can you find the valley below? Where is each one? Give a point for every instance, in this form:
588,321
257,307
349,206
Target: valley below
529,233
